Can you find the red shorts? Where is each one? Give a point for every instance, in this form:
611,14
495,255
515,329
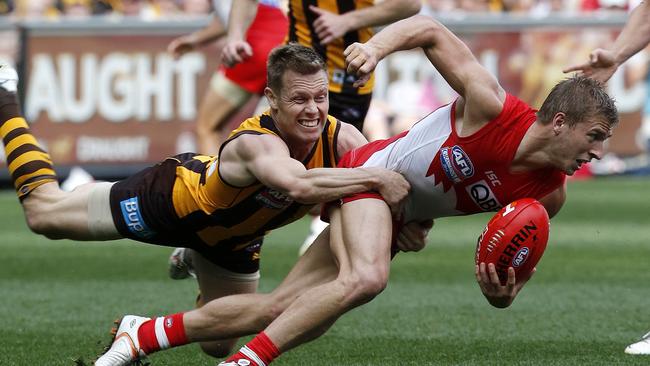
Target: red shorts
268,29
356,158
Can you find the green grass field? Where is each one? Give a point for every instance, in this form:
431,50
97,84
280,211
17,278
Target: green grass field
588,300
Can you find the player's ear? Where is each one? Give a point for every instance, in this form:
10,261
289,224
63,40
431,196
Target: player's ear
559,119
271,97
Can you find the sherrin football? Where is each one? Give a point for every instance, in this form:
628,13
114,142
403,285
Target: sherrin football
516,236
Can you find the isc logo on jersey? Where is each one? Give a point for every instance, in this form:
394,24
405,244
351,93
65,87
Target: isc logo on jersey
456,163
483,196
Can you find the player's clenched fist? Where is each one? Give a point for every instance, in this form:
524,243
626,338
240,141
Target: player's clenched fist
361,58
393,188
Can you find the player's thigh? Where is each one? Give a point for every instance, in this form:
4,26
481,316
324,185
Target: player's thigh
361,236
222,98
82,214
215,281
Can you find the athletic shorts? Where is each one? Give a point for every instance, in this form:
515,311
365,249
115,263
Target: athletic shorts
268,30
142,208
356,158
350,108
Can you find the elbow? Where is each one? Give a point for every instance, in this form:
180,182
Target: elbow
302,193
428,28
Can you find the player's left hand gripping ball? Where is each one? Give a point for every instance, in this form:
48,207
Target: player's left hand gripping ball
515,237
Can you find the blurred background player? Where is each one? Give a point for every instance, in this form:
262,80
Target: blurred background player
232,86
601,66
495,144
329,26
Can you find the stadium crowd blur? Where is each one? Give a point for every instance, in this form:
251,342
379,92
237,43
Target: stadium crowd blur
389,113
163,9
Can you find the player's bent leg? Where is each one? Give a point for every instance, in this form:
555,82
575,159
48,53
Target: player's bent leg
359,280
361,241
28,164
235,316
216,282
83,214
221,100
360,238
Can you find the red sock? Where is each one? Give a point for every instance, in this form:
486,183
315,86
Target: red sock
162,333
260,351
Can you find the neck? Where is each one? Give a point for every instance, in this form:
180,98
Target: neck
532,152
298,149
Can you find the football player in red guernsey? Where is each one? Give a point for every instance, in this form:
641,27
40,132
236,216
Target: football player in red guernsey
486,149
477,154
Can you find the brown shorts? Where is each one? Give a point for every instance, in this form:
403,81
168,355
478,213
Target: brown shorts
142,208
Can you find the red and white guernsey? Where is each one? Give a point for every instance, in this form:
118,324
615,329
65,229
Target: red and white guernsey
452,175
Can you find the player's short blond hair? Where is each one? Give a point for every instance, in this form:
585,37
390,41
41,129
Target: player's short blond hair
578,97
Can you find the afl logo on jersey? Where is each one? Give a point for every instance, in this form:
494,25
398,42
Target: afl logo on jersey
273,199
456,163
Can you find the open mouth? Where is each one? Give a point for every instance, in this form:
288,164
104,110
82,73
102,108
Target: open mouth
309,123
581,162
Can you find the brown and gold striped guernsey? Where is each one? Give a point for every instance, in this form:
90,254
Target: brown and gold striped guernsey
301,30
230,217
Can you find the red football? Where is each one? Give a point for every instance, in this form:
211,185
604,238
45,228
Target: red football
516,236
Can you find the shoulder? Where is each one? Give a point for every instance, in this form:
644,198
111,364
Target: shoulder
249,146
349,138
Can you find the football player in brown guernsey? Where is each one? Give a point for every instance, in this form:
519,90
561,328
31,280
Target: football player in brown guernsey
270,172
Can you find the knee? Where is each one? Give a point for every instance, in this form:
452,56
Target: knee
361,287
217,349
41,223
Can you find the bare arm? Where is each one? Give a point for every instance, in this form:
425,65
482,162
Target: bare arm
635,35
265,158
481,95
632,39
349,138
186,43
554,201
330,26
242,13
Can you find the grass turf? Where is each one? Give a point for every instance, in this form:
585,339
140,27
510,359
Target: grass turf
588,300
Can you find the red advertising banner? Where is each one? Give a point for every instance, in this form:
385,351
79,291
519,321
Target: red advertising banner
113,99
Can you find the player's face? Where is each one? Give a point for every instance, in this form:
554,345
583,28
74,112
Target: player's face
583,142
301,106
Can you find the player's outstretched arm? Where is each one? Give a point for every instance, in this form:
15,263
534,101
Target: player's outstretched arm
633,38
330,26
481,95
242,13
266,158
183,44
